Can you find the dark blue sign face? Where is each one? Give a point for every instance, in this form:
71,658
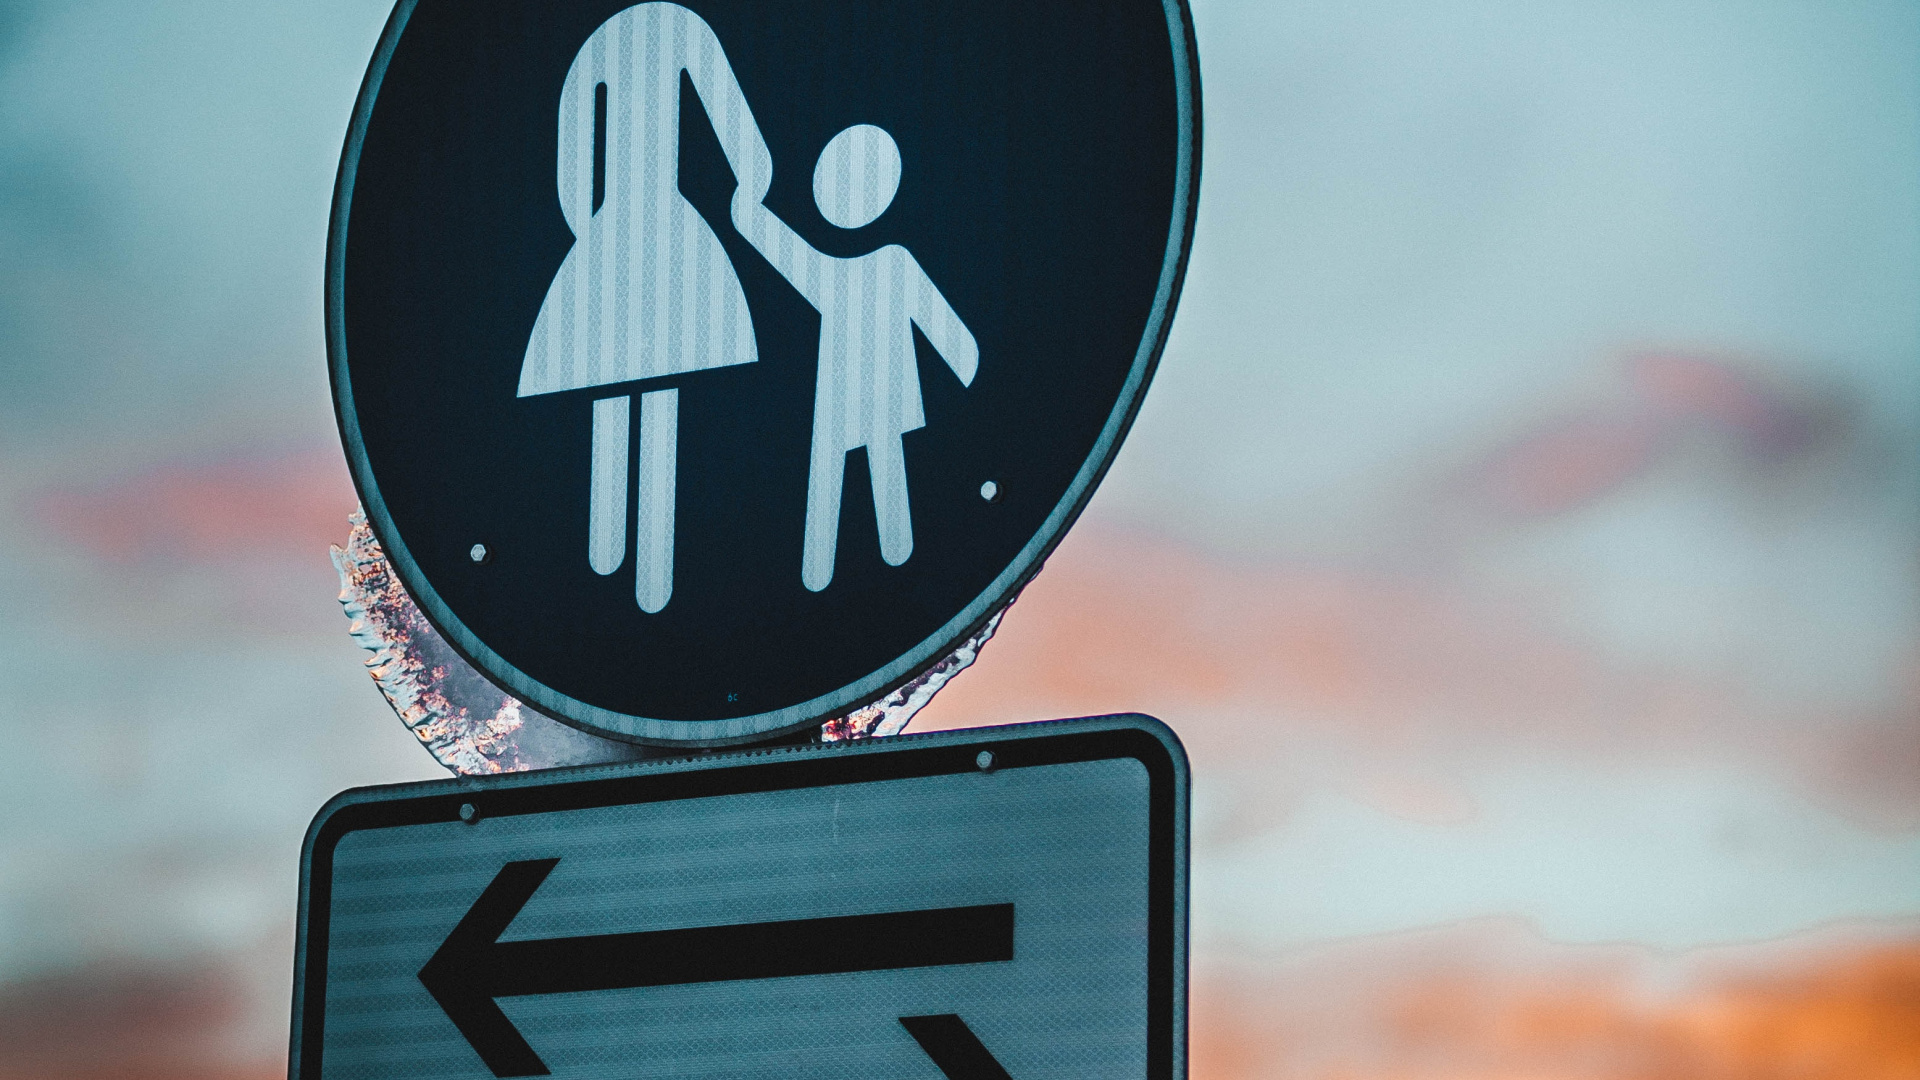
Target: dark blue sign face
709,369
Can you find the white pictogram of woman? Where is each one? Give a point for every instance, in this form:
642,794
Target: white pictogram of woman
867,389
646,289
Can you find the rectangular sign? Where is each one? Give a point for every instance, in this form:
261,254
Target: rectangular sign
993,904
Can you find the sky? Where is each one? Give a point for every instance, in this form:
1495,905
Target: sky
1520,531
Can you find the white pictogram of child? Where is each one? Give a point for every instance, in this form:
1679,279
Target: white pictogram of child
867,390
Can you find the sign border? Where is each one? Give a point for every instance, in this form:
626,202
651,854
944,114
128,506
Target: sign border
929,651
1053,742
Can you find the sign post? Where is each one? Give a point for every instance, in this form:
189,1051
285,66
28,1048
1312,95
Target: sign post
978,905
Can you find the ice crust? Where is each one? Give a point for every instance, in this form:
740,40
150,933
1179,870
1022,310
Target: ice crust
473,727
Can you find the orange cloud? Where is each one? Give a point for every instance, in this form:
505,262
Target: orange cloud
1451,1007
1470,1003
1586,452
1248,656
237,507
1258,664
127,1023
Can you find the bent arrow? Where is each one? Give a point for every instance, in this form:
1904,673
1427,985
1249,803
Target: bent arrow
954,1048
473,966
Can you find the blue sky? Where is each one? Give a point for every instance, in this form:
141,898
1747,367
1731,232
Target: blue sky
1433,240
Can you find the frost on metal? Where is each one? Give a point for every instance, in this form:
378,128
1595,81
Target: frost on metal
468,724
465,722
472,727
891,714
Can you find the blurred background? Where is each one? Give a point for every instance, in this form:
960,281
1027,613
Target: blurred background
1523,532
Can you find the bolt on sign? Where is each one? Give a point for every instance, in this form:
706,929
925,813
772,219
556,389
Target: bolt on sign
976,905
710,369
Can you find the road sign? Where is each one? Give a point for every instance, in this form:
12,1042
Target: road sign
999,903
708,369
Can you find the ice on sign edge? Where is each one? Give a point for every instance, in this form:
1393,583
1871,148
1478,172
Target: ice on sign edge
473,727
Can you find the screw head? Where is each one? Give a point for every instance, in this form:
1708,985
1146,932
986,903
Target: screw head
984,759
479,554
469,813
990,491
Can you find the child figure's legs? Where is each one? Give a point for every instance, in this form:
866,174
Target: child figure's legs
887,463
826,470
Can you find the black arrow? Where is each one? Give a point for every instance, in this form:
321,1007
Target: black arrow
473,966
954,1047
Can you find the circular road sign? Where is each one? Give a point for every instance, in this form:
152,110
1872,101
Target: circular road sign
709,369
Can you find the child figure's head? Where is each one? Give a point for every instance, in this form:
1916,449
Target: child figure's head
857,175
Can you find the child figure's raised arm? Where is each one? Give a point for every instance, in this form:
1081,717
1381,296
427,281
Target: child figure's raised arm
936,319
775,240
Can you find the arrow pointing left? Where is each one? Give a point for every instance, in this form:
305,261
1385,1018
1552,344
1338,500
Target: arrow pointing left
473,966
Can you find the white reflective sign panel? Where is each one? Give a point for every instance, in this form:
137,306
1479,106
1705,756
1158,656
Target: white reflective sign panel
975,905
